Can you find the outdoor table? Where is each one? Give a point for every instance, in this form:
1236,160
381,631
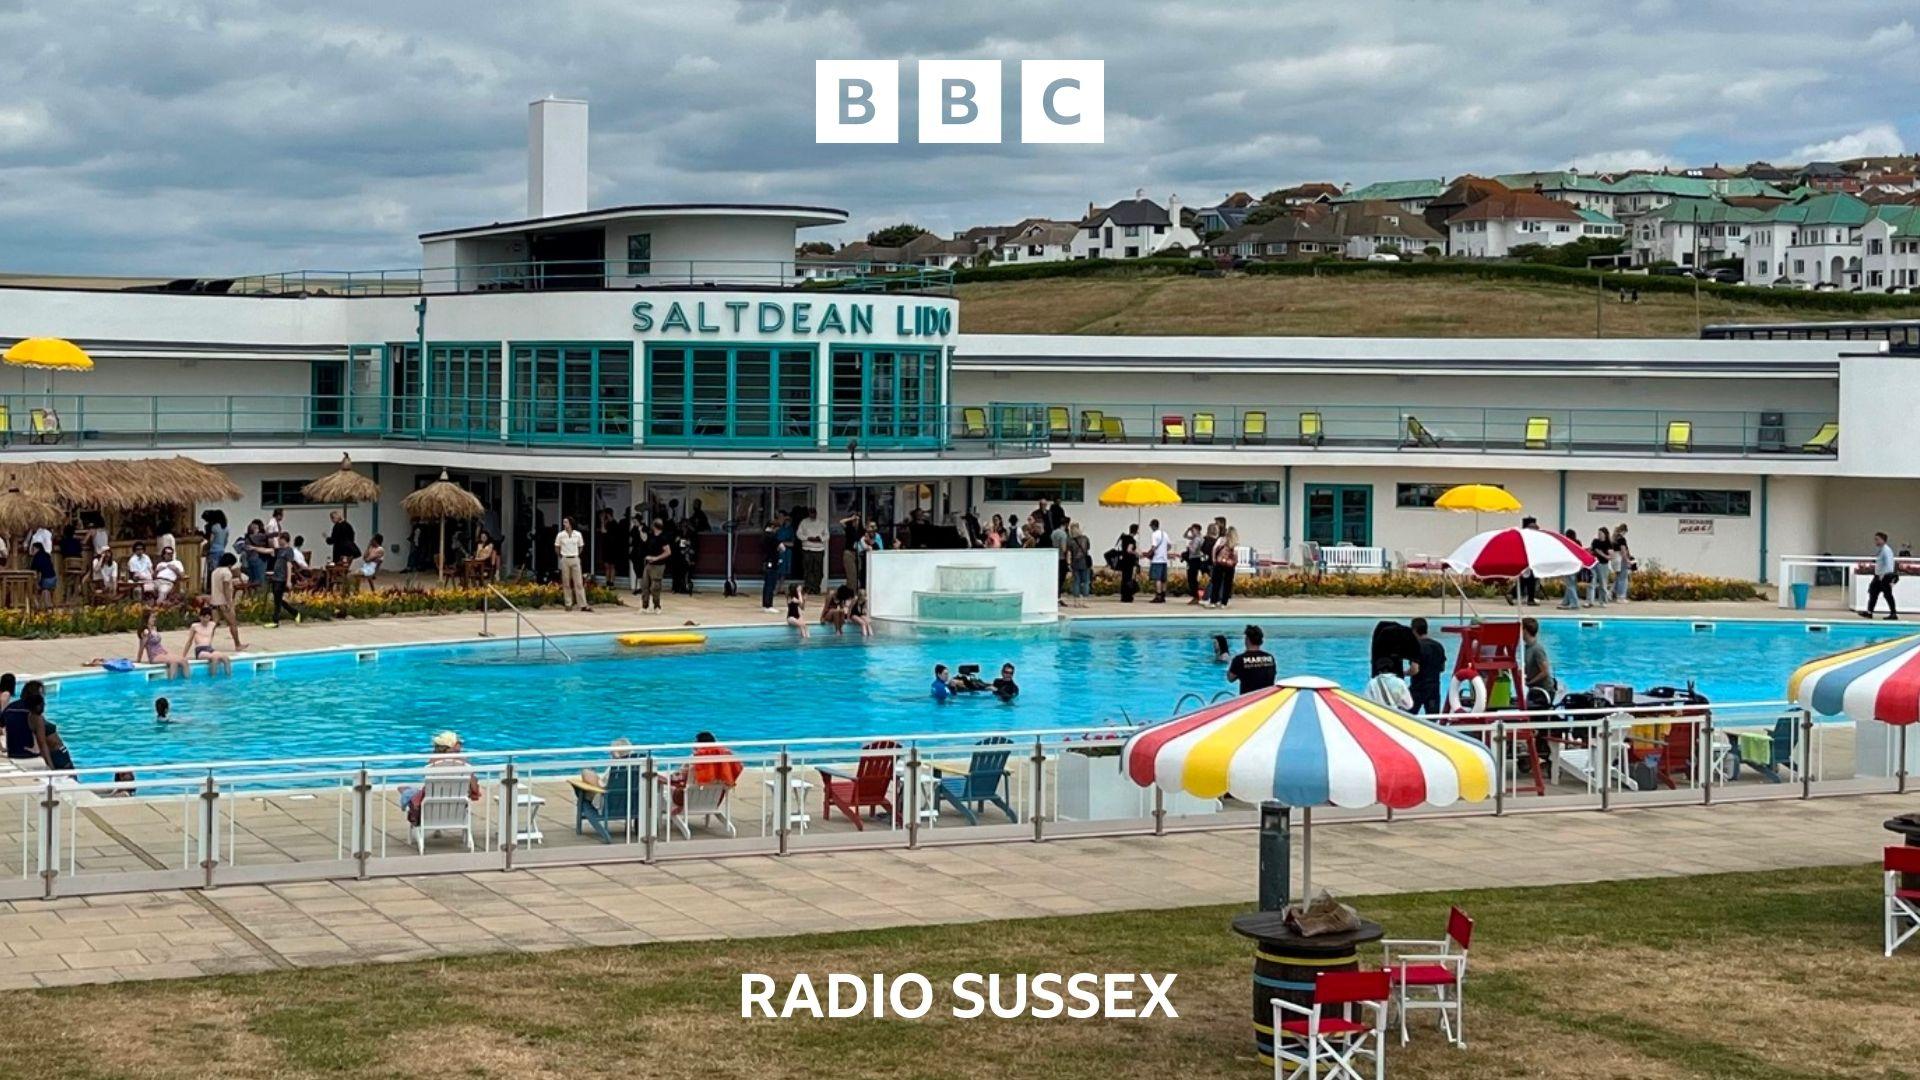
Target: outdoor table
1286,964
1907,825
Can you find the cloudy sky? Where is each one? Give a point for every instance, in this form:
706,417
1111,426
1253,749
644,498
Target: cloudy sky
165,136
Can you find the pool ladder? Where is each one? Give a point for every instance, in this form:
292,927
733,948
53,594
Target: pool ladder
1180,702
519,620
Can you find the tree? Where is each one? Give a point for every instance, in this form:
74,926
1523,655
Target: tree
1265,212
816,247
895,235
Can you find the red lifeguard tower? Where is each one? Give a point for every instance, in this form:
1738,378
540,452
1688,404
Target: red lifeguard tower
1491,651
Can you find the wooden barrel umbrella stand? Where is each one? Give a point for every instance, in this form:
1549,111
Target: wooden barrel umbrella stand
1286,964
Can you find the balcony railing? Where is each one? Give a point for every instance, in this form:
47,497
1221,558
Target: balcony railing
1446,428
557,276
112,421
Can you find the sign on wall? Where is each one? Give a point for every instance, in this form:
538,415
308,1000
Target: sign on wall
1606,502
1696,526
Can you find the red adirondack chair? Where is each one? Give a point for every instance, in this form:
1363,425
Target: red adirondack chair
870,786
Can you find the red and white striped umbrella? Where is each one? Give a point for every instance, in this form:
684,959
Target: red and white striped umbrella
1506,553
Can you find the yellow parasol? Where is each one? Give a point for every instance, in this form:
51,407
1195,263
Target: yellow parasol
1139,491
48,354
1478,499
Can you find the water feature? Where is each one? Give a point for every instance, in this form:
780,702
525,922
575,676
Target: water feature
966,594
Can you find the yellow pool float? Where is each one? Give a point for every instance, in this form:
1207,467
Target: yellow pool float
657,638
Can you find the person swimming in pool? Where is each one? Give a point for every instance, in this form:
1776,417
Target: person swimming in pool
1222,652
942,688
1004,687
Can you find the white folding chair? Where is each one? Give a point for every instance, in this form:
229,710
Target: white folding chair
1432,975
444,806
1329,1039
709,800
1903,904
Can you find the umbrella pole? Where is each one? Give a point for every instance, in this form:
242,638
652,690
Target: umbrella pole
1306,855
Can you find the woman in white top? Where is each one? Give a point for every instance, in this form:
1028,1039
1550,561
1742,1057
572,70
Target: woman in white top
107,573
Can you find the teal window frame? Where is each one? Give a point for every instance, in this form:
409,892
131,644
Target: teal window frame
731,394
1696,502
1420,495
332,419
452,406
592,392
1229,492
404,388
894,400
366,411
276,493
639,254
1337,530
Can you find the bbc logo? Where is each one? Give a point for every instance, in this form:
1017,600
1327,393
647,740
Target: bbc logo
858,101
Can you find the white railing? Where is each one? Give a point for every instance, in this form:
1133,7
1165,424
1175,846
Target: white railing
328,818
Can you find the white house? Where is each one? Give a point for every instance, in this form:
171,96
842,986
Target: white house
1693,232
1890,243
1494,226
1037,240
1133,229
1814,240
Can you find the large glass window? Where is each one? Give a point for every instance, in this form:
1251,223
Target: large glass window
639,254
1423,496
579,392
365,376
1034,488
886,395
463,389
1699,501
741,394
1340,514
1242,492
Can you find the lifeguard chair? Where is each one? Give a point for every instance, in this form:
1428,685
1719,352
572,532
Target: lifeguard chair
1491,651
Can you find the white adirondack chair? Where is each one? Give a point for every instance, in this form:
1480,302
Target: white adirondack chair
444,807
709,801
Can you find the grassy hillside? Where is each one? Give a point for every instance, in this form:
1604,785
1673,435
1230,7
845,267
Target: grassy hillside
1366,304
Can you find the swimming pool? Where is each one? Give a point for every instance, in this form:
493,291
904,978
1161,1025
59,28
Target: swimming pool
759,683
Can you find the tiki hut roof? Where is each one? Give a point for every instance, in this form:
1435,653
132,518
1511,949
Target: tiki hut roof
442,500
21,513
342,485
126,485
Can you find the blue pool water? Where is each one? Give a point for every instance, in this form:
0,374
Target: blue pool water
761,684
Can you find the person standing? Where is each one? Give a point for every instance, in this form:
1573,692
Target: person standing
852,539
774,569
1080,561
686,553
279,576
1622,563
1226,559
1426,675
259,549
1129,562
277,521
1254,669
603,544
659,549
1570,585
1196,559
1061,541
1885,575
1159,552
341,543
221,597
1529,584
1600,585
569,545
634,547
812,534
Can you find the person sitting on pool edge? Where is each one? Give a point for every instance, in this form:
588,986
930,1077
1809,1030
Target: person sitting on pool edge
1004,687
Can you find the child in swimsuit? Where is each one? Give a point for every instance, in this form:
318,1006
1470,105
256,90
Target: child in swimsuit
796,609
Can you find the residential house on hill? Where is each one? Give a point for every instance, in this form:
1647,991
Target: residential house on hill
1302,194
1223,215
1366,227
1584,190
1494,226
1134,229
1412,195
1693,232
1766,173
1890,243
1812,240
1037,240
1289,236
1828,176
1462,193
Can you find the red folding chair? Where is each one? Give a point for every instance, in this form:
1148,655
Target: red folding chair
870,786
1903,904
1432,975
1329,1039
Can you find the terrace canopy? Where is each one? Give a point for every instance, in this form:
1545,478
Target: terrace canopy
115,487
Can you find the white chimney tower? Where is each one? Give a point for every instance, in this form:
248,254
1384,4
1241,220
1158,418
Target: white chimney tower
556,157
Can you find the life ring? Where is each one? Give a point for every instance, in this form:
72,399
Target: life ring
662,639
1455,703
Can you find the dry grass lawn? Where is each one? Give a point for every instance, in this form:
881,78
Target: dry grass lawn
1348,305
1728,977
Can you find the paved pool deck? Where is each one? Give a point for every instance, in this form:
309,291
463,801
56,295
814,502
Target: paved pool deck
177,934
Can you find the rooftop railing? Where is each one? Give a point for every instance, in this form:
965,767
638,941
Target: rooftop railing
1444,428
551,276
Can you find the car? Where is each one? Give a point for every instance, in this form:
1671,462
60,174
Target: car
1669,271
1383,256
1725,276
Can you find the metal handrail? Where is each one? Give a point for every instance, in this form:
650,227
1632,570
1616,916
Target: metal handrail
519,618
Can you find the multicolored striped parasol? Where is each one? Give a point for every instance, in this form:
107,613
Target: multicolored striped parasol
1874,682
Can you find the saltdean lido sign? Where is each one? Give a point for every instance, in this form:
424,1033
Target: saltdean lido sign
789,318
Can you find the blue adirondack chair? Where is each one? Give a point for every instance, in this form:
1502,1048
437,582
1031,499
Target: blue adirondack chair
619,805
1780,752
971,791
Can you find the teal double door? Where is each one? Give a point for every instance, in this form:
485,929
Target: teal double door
1340,514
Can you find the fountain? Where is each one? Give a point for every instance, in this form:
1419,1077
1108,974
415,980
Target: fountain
965,594
967,590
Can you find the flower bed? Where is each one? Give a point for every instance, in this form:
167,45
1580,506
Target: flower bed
1653,583
407,600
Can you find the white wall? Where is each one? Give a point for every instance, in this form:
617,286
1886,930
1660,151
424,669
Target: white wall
735,248
894,576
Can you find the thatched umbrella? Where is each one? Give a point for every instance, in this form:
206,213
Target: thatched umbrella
21,513
443,501
120,486
343,486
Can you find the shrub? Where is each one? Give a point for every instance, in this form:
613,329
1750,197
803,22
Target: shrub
407,600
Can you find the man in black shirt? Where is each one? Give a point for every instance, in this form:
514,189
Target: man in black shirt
1426,677
1254,668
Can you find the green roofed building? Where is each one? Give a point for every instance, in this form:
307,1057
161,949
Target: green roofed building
1890,249
1693,232
1813,240
1412,195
